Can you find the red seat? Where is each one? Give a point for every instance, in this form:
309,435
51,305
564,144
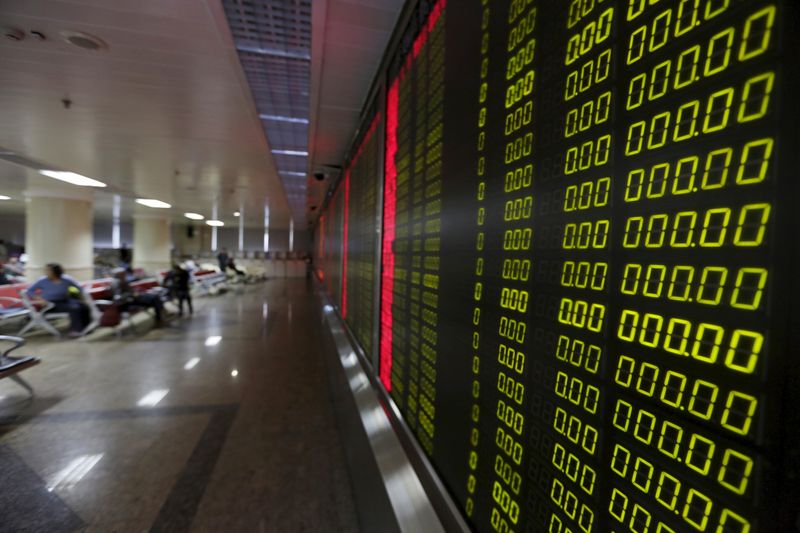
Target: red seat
11,291
144,285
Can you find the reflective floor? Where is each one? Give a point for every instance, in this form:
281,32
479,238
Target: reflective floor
219,422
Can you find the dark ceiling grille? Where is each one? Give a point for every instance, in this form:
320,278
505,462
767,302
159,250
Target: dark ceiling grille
273,39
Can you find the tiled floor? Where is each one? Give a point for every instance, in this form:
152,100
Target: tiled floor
243,437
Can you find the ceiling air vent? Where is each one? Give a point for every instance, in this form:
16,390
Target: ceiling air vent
84,40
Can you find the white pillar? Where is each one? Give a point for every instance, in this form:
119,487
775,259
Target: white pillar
151,243
58,229
241,230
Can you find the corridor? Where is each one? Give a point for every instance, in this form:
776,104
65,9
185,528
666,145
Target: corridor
221,421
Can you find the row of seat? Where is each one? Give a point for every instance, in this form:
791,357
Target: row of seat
16,305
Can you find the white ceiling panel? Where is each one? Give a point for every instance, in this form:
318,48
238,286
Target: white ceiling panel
164,111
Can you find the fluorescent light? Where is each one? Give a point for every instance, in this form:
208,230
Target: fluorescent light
273,52
155,204
237,214
235,373
280,118
292,173
290,152
191,363
4,197
194,216
213,340
71,177
152,398
215,223
69,476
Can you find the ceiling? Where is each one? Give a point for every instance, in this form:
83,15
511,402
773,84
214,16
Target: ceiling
273,40
348,41
166,110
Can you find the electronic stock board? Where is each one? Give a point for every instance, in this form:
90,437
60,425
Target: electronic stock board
587,297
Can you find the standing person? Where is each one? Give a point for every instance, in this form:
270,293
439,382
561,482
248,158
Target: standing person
177,281
222,259
3,251
125,256
62,291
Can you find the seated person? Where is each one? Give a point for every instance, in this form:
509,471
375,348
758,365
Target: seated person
190,266
14,271
177,282
64,292
125,297
232,266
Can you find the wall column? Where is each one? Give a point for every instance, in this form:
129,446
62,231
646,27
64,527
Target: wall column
152,243
58,229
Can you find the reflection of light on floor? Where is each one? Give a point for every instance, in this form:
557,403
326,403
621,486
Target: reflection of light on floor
213,340
74,472
235,373
265,310
152,398
191,363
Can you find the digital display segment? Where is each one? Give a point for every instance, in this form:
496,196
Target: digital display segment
412,215
332,244
587,297
359,258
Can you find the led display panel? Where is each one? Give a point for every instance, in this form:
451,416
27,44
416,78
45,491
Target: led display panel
586,269
361,179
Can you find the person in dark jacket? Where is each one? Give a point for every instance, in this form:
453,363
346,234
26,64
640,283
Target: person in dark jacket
177,281
125,256
125,297
232,266
222,260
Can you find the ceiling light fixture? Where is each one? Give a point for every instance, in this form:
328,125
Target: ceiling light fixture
292,173
290,152
279,118
72,177
194,216
273,52
155,204
4,197
237,214
83,40
215,223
